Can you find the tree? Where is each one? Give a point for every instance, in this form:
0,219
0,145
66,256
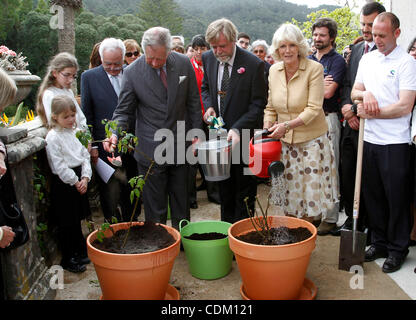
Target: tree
348,25
163,13
8,17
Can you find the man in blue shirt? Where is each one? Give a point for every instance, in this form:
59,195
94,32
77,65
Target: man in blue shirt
324,33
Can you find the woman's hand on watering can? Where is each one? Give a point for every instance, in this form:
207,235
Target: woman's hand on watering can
210,112
277,130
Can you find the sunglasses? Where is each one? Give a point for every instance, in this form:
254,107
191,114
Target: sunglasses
130,54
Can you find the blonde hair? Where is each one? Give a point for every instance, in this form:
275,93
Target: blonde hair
290,33
8,89
58,63
61,103
224,26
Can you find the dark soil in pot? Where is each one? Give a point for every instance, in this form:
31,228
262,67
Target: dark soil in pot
206,236
144,238
276,236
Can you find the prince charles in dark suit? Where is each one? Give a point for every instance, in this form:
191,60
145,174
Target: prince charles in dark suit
159,91
241,104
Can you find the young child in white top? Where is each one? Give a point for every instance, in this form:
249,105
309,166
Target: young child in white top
62,71
69,161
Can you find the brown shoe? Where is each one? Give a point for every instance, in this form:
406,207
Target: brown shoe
325,228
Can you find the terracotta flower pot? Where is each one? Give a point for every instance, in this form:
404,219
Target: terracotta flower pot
143,276
272,272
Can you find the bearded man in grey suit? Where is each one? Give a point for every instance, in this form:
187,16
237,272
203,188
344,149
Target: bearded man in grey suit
159,91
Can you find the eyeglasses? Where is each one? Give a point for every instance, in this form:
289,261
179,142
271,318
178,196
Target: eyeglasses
258,51
130,54
69,75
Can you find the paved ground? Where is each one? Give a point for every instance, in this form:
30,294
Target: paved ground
332,283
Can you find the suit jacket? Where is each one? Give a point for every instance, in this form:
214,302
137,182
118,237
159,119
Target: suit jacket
144,99
246,95
356,54
98,102
302,97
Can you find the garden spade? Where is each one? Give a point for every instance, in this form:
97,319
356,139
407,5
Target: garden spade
352,246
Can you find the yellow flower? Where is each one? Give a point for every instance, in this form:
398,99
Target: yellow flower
5,120
30,116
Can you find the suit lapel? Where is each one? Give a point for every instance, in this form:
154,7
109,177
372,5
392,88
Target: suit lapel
235,77
106,82
172,80
153,81
214,80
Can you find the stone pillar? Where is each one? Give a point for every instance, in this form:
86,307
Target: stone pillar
25,273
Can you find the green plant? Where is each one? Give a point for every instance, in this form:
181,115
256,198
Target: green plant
41,230
127,142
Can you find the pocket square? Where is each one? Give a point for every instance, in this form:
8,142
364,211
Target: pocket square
181,79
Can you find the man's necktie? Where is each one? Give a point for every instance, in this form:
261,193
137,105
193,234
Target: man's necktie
116,85
163,77
366,48
225,82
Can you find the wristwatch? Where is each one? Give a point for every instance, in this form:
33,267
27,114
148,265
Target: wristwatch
354,108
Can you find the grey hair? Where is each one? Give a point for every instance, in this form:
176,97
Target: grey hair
291,33
180,38
262,43
158,37
112,44
224,26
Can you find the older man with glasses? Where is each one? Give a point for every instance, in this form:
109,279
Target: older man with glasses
100,89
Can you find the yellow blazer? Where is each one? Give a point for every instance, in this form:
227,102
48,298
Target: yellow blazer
302,97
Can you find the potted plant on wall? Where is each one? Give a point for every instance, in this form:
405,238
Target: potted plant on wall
272,254
133,260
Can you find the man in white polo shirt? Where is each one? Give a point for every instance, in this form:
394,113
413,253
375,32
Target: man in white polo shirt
386,86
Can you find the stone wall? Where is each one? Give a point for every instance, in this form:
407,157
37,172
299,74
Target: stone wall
25,272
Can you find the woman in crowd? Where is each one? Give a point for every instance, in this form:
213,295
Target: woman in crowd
260,48
294,115
61,73
95,59
132,50
8,92
189,51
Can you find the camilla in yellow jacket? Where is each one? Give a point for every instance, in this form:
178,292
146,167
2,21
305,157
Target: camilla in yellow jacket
294,114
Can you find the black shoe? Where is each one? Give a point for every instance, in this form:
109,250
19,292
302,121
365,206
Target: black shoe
202,186
72,265
194,205
346,226
374,253
84,260
215,199
393,264
412,243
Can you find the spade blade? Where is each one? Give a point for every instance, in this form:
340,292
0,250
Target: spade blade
347,256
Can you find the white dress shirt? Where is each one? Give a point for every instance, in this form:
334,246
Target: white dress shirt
64,152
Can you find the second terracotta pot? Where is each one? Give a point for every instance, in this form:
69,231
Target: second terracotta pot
272,272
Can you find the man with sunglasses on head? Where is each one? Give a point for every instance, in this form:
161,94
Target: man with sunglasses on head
100,88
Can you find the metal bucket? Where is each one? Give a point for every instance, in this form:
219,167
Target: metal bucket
214,156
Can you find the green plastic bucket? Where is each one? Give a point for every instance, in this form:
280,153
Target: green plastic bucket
207,259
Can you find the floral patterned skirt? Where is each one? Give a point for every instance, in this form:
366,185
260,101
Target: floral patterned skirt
310,177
